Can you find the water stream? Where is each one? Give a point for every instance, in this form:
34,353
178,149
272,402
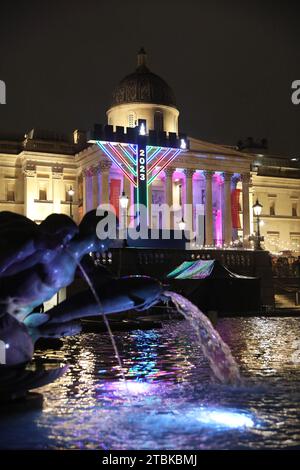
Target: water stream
105,319
218,354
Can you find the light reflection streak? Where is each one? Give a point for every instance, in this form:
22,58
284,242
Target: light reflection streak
177,407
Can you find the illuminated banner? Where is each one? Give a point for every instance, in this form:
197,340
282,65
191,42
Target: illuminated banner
114,196
141,155
142,188
138,161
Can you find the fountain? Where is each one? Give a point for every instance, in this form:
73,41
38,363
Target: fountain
168,400
218,354
43,261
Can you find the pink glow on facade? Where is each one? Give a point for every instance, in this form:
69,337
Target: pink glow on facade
218,219
219,231
178,175
218,178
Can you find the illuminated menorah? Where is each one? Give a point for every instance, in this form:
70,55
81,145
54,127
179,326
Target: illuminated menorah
140,155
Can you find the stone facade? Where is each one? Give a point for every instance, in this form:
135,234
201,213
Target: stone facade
36,174
38,170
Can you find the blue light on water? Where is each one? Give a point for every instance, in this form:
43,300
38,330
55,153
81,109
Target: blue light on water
200,419
228,419
137,387
188,419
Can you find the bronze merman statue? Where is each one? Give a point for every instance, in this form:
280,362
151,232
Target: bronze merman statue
36,261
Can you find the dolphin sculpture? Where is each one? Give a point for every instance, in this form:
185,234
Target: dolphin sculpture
36,261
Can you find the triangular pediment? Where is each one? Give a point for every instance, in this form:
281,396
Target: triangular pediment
202,146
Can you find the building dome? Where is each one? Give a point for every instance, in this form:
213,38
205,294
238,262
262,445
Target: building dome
143,95
143,86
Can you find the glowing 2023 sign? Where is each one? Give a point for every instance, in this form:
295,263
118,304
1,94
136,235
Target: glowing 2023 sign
142,189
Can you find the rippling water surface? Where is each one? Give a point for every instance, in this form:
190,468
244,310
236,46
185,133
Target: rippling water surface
170,401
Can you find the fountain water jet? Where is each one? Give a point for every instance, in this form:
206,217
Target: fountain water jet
216,351
218,354
105,319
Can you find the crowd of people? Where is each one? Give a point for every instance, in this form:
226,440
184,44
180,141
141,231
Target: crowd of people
286,266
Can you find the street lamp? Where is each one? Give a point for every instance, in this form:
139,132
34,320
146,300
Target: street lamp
181,224
257,208
124,201
183,144
71,193
123,205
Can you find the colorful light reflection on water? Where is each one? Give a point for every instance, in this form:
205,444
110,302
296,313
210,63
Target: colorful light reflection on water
169,401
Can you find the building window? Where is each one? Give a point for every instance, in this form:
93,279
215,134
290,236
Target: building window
42,195
131,120
10,195
10,191
294,209
158,121
272,208
43,190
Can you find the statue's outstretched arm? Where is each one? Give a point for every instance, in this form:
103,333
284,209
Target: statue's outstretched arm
117,295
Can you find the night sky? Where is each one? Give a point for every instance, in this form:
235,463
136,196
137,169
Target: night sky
230,64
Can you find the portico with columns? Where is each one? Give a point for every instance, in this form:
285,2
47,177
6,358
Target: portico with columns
202,180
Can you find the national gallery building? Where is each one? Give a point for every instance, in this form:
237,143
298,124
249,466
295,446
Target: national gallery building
45,173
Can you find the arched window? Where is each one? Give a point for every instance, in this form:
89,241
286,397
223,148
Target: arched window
131,120
158,121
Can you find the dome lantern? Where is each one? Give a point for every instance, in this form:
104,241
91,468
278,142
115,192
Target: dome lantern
143,95
141,58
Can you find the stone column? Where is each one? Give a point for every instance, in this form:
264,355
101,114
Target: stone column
30,195
127,189
188,213
57,183
246,208
169,193
234,181
84,192
227,208
104,167
2,185
95,186
19,186
208,208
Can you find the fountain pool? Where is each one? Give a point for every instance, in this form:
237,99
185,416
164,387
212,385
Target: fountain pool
170,400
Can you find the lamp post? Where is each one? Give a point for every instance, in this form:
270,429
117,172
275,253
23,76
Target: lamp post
123,205
181,225
257,208
71,193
